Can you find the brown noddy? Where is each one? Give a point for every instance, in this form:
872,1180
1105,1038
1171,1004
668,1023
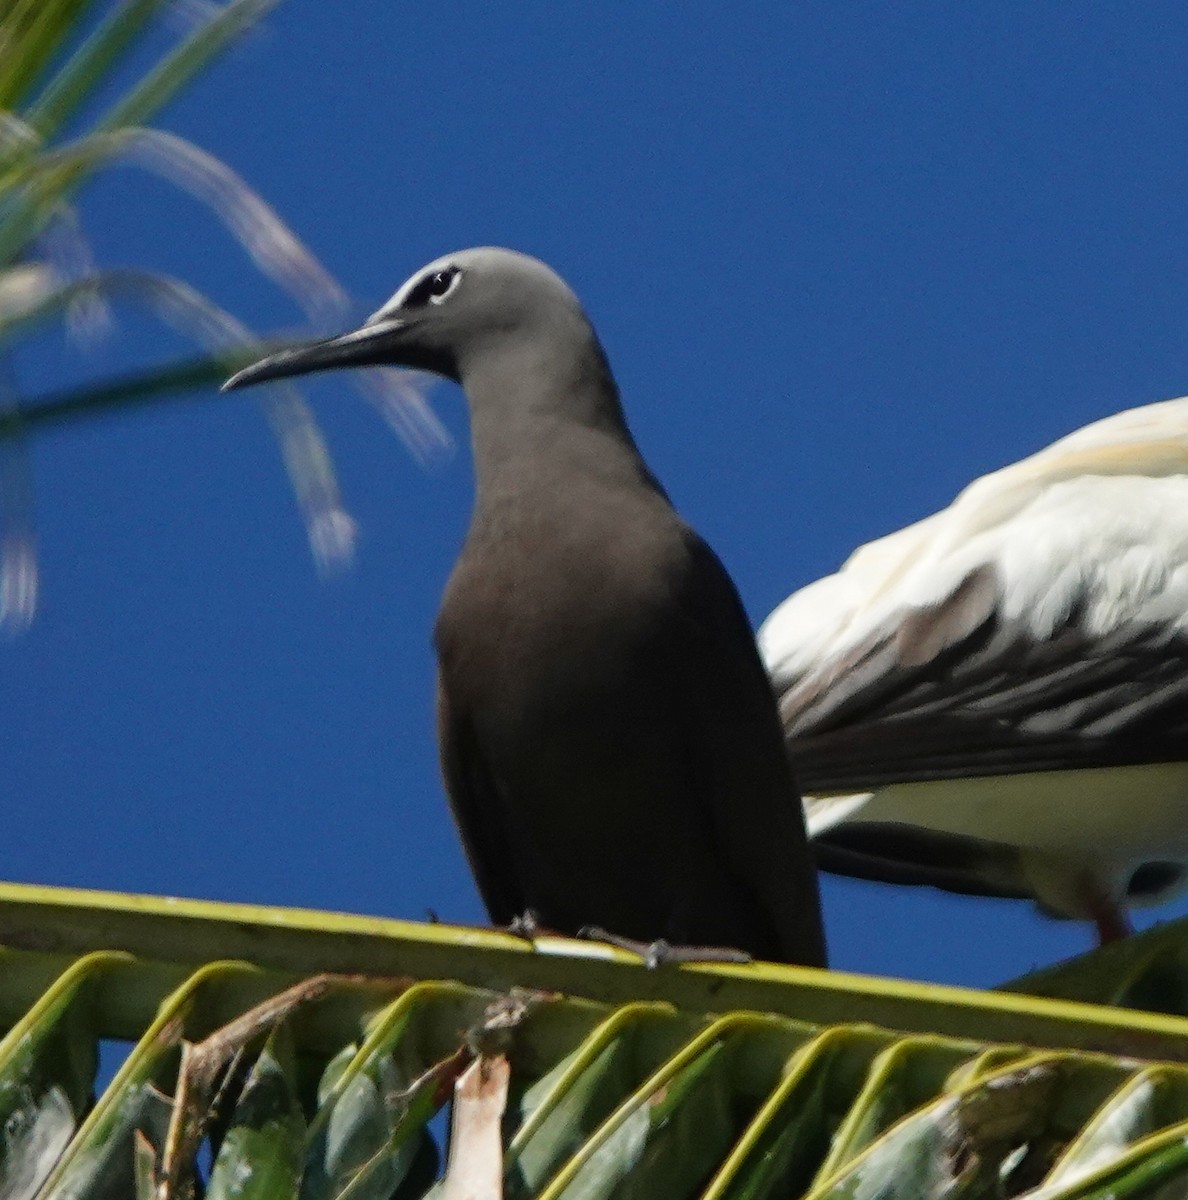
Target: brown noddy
608,736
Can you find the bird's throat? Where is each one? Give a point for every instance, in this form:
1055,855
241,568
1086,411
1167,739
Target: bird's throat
538,426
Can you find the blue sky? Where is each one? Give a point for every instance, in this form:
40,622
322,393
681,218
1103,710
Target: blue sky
844,257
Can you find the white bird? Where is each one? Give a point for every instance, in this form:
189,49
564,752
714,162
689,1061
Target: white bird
995,699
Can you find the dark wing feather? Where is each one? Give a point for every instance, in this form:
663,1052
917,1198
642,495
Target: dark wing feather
477,809
907,854
993,700
741,785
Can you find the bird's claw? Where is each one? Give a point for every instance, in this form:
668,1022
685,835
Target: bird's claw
661,953
526,925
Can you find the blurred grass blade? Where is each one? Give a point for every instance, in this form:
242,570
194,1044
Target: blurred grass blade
574,1106
31,33
51,184
172,301
187,60
399,396
1147,971
18,546
25,288
55,66
272,245
89,65
180,376
329,527
18,140
88,315
18,542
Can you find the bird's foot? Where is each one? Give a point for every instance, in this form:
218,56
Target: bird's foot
661,953
1112,924
1108,916
1113,928
1104,910
527,925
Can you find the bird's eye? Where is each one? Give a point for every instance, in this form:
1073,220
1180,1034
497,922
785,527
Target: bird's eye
433,288
440,284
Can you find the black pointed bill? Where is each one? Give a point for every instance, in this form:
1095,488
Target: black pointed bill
370,345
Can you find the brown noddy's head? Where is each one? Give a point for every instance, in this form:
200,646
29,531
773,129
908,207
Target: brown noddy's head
445,317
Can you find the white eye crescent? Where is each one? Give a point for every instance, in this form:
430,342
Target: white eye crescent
433,288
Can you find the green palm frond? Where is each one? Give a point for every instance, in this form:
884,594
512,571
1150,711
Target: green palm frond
1146,971
54,56
32,32
305,1056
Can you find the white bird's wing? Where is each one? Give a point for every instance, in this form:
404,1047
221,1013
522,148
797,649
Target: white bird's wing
1040,622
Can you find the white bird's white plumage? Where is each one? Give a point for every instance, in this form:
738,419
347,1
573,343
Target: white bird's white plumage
1041,620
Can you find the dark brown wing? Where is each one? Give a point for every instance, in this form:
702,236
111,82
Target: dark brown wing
478,813
741,784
